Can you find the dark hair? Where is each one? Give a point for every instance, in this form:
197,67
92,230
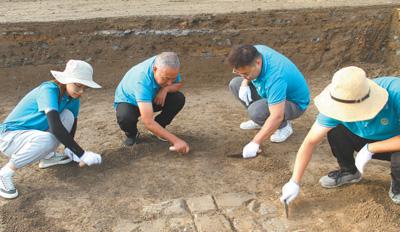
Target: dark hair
62,88
242,55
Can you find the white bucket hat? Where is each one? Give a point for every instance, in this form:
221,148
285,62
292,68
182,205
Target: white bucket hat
76,71
351,96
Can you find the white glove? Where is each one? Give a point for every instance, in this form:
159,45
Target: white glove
245,94
362,158
71,155
250,150
290,191
90,158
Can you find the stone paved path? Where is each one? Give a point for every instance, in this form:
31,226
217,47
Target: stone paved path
225,212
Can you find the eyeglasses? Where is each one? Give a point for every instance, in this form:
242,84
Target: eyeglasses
239,73
247,75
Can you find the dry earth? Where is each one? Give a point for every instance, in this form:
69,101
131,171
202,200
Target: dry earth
148,188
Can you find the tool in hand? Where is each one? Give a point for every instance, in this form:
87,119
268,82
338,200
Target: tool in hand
239,155
236,156
285,204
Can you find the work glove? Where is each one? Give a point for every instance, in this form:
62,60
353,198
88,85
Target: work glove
245,94
290,191
362,158
250,150
71,155
90,158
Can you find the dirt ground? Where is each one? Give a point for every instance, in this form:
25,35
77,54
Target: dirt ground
55,10
148,188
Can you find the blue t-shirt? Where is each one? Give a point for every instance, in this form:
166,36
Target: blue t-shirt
138,84
29,113
385,125
280,79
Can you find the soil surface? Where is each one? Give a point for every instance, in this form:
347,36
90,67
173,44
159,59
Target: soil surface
147,187
55,10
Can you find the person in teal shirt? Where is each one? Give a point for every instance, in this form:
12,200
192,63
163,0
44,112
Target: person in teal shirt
272,89
148,87
44,118
357,115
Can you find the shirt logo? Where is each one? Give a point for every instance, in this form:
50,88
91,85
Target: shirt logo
384,121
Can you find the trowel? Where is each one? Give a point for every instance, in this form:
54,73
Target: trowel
286,206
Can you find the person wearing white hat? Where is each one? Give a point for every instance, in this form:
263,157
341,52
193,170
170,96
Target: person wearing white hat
44,118
272,89
148,87
357,115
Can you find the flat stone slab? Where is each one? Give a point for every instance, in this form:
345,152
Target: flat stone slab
245,223
207,223
181,225
175,207
274,224
125,226
262,208
233,200
185,224
153,226
203,204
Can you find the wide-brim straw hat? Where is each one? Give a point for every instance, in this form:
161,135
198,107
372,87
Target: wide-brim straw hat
351,96
76,71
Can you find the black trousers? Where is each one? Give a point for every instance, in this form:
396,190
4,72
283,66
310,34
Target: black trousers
128,114
344,143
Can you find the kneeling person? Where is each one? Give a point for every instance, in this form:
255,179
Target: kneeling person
149,87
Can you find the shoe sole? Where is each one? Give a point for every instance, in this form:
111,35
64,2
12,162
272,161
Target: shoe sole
8,196
66,161
335,186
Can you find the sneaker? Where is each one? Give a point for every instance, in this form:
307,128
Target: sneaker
7,188
338,178
249,125
159,138
280,135
55,159
394,196
129,141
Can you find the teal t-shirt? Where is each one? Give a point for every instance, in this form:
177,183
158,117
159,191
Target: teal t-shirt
385,125
29,114
280,79
138,84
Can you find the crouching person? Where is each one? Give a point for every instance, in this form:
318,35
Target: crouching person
356,115
44,118
149,87
272,89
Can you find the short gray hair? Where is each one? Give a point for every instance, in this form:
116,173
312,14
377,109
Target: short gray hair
169,59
